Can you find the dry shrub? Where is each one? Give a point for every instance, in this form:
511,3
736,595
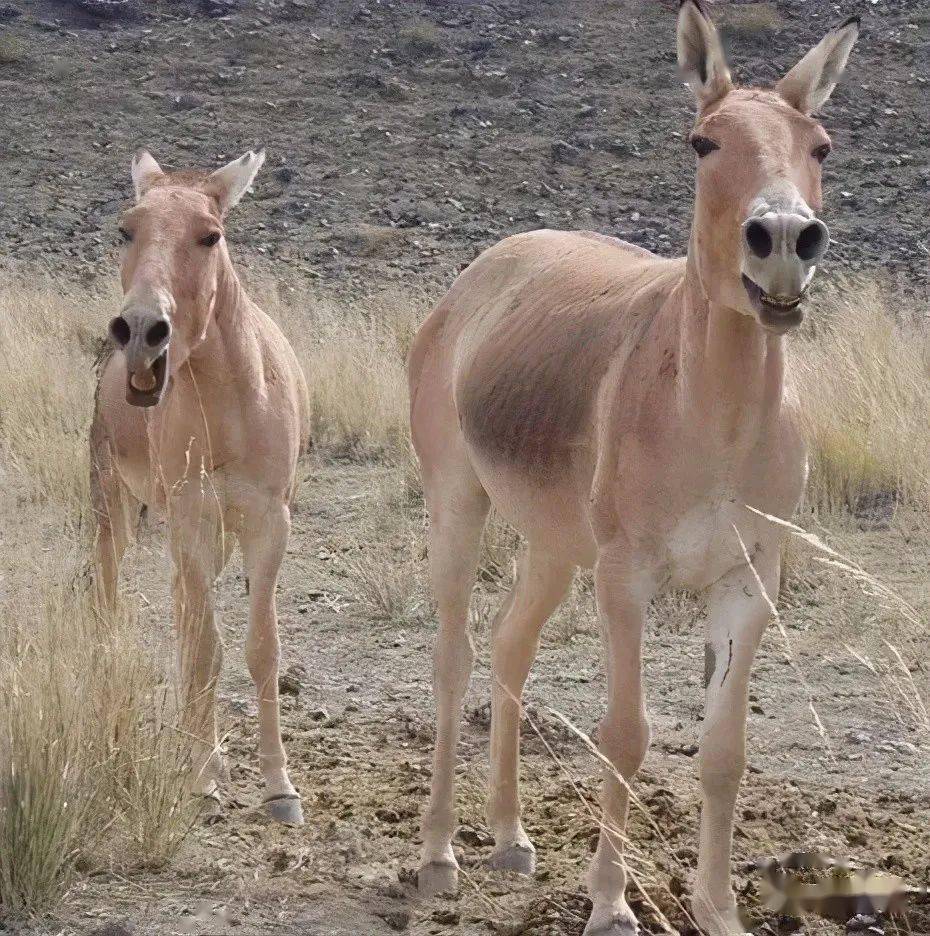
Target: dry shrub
355,362
384,565
47,381
90,765
862,371
748,19
91,769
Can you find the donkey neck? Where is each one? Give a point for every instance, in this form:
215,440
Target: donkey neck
731,378
226,341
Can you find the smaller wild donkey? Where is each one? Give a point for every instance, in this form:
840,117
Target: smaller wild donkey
201,412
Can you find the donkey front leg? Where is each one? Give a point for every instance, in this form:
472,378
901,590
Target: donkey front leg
114,508
623,739
198,554
264,542
737,617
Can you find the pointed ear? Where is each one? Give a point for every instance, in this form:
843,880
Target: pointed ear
231,182
144,172
811,82
701,61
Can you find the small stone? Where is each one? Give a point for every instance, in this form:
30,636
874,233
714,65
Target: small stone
565,152
397,919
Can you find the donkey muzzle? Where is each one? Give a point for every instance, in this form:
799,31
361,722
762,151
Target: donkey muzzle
781,250
143,337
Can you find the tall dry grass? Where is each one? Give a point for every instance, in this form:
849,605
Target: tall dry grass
100,781
47,336
355,362
862,371
91,766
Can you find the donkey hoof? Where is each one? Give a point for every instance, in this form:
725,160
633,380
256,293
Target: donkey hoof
612,922
616,927
519,858
437,877
285,808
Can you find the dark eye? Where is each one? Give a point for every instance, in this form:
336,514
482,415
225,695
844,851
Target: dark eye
210,240
822,152
702,145
125,235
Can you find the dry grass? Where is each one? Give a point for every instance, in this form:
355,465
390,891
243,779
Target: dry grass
99,783
750,19
90,765
91,769
46,389
862,371
355,362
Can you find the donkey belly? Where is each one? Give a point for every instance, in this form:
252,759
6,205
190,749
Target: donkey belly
551,517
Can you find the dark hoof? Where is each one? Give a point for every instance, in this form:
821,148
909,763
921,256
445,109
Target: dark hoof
518,858
437,878
285,808
617,925
617,928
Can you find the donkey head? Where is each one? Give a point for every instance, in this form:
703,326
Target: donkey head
756,238
172,262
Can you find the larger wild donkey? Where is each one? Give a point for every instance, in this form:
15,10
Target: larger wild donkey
201,412
622,410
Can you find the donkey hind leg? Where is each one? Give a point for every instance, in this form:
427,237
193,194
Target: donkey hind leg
264,543
737,617
457,515
541,584
116,510
199,551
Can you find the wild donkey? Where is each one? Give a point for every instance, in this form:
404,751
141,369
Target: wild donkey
622,410
201,411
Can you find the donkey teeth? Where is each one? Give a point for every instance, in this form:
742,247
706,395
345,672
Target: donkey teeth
780,301
143,382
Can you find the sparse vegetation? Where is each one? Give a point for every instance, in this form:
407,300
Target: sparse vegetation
12,51
100,784
749,19
420,41
862,371
91,767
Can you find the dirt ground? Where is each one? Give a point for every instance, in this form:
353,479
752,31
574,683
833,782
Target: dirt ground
403,137
358,732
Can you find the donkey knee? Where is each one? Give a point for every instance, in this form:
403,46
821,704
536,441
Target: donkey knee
624,742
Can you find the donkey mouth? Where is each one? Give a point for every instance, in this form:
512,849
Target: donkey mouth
145,387
776,313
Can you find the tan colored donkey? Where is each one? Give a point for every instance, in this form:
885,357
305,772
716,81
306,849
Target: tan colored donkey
621,410
201,412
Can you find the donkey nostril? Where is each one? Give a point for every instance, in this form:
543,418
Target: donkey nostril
157,334
119,331
758,239
810,241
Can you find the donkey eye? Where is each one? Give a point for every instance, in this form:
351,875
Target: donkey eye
822,152
210,240
703,145
125,235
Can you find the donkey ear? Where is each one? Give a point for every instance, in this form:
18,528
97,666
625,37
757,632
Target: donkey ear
811,82
701,61
231,182
144,172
